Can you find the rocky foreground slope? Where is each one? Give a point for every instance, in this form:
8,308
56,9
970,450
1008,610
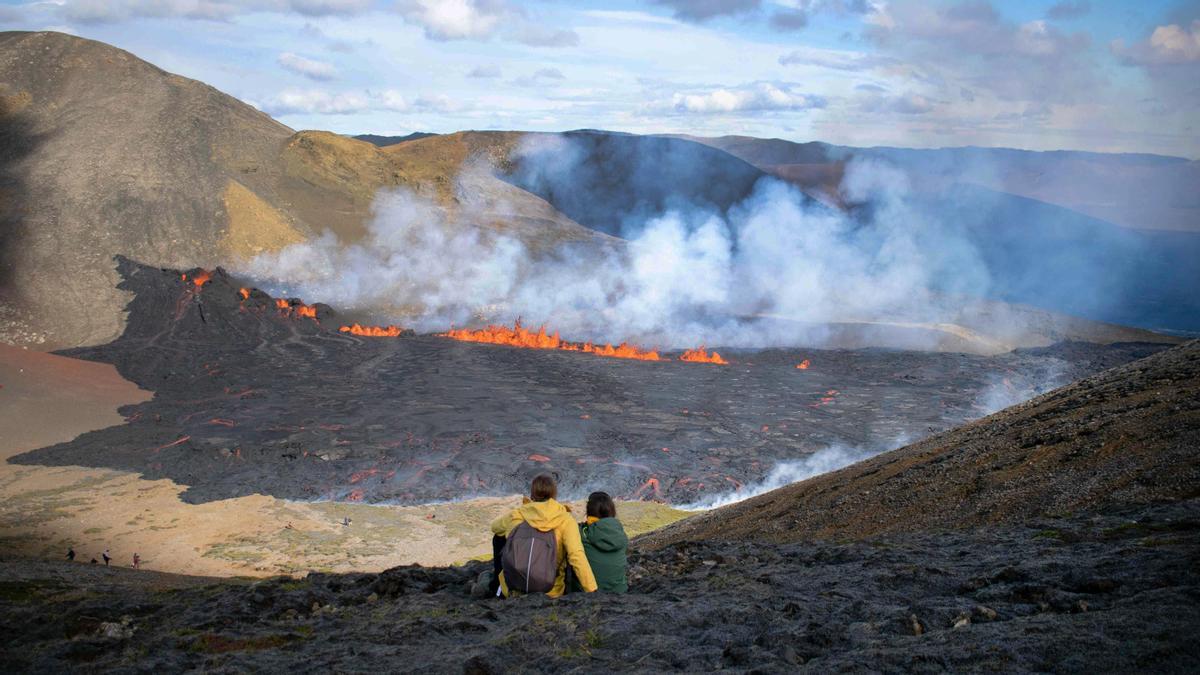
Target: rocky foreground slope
1089,593
1110,586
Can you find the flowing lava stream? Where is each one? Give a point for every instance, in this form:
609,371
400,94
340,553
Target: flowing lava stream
700,355
372,331
519,336
803,365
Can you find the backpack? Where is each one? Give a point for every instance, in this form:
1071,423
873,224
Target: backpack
530,560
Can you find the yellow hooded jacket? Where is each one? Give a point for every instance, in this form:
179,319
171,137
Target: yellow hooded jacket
545,517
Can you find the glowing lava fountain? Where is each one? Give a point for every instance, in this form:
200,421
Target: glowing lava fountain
700,355
519,336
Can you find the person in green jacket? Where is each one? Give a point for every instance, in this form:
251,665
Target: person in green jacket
605,544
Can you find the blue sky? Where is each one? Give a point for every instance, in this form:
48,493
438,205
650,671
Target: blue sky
1038,74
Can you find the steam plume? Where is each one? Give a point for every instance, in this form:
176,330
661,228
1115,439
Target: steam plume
771,269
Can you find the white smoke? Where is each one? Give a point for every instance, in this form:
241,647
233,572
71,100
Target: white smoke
785,473
688,277
1006,390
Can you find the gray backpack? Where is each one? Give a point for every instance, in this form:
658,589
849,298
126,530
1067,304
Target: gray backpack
530,560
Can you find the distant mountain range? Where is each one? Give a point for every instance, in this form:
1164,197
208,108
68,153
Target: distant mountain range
382,141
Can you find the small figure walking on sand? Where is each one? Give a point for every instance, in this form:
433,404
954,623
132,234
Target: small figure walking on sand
137,562
346,521
71,554
106,557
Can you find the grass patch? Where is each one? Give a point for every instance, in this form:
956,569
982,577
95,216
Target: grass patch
238,550
642,517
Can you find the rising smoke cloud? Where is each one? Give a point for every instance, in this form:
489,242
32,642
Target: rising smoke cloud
771,269
785,473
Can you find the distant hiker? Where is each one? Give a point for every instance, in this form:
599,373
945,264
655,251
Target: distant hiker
71,554
106,557
137,561
605,544
94,561
541,540
346,521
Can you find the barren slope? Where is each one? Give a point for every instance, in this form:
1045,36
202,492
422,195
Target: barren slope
1129,435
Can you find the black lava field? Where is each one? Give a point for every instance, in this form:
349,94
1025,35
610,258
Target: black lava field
251,397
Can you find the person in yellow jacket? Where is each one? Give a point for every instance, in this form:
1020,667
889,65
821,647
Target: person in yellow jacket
545,514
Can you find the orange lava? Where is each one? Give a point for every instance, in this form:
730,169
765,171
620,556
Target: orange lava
700,355
539,458
650,486
803,365
519,336
245,293
826,399
222,422
372,331
299,309
202,278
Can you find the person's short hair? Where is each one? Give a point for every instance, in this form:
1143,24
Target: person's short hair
600,505
544,487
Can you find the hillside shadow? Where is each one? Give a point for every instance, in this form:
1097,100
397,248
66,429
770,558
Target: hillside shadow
18,141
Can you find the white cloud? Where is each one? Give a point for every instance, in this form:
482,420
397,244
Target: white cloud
320,102
1168,45
314,70
703,10
624,16
906,104
292,102
454,19
540,78
761,96
536,35
487,71
835,60
444,20
974,45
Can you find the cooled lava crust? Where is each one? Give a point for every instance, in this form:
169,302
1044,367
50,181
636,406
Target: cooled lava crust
257,396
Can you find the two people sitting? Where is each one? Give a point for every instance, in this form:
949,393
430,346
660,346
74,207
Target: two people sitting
539,548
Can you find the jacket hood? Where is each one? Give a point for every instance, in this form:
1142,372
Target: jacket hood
606,534
544,516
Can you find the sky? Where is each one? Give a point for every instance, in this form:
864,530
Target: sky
1096,75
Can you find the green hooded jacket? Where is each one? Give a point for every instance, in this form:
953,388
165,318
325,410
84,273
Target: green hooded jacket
606,546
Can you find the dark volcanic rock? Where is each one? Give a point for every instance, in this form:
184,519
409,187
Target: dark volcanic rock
254,398
1117,595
